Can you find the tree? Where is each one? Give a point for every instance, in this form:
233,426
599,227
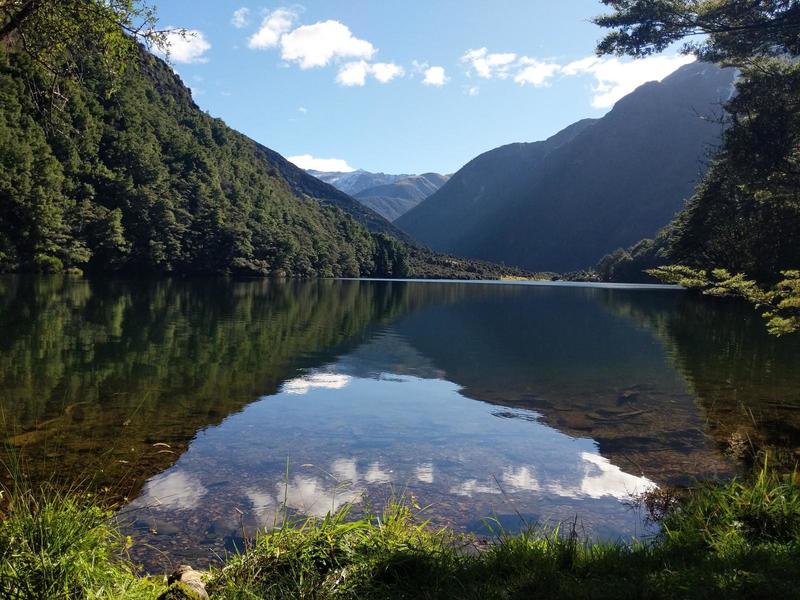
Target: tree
781,304
56,34
738,234
732,31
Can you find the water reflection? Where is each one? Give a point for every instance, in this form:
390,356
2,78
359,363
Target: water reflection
175,490
301,385
222,405
374,439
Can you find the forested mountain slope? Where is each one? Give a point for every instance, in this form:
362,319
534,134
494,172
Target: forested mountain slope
132,175
561,204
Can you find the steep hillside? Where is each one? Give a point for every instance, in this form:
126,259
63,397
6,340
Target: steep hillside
137,177
599,185
303,184
392,200
480,189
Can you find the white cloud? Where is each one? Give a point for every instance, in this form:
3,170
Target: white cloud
472,90
615,79
321,44
307,161
302,109
273,27
502,65
355,73
385,72
240,17
489,65
186,46
535,72
435,76
318,44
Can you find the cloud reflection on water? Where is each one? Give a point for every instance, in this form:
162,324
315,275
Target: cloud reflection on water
302,385
177,490
598,478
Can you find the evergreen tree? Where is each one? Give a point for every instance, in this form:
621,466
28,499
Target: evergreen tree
742,225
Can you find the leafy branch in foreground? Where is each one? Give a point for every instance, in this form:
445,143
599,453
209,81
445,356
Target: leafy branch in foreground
782,301
58,34
728,31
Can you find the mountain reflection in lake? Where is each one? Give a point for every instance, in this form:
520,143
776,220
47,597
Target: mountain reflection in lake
220,406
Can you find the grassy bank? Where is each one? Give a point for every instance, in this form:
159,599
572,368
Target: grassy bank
738,540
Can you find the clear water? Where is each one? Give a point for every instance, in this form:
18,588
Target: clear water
213,408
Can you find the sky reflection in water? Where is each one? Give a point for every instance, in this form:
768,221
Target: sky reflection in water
346,433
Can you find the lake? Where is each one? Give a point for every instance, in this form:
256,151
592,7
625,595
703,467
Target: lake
211,408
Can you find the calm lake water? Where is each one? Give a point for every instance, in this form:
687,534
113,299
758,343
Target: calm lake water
210,408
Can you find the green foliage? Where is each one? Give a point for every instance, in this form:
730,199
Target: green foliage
335,557
738,515
632,265
745,215
391,256
781,303
143,180
57,34
59,545
730,30
736,540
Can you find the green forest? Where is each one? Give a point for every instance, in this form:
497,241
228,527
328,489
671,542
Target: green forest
138,178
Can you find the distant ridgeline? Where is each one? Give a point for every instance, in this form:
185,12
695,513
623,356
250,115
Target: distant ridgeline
134,176
391,196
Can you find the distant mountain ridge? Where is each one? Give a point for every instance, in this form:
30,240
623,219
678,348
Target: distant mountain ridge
600,184
305,184
352,182
388,195
392,200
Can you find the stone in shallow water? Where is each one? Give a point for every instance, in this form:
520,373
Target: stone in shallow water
185,584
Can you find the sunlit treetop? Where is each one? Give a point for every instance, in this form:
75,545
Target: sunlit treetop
729,31
56,33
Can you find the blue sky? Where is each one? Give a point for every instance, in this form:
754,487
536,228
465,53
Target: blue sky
399,87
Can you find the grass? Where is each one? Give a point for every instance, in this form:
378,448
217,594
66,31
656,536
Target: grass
735,540
56,544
